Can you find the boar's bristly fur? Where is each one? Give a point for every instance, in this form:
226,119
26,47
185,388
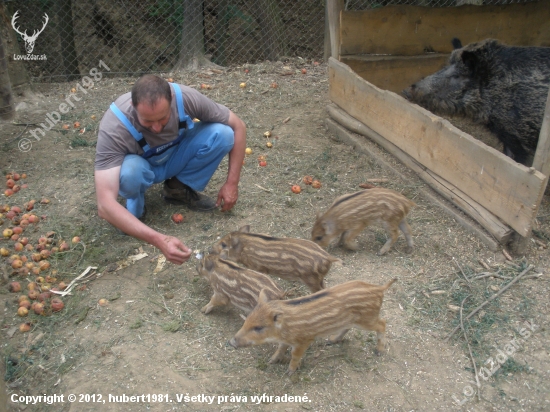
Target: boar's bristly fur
287,258
350,214
295,323
234,284
503,87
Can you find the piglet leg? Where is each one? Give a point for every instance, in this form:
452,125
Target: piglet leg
217,300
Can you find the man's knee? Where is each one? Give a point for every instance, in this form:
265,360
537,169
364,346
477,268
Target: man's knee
221,141
135,174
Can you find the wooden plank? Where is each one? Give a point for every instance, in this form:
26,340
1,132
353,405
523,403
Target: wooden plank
509,190
340,133
413,30
395,73
490,222
334,8
541,162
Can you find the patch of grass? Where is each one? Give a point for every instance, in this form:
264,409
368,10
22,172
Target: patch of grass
359,404
171,326
511,366
261,364
78,141
138,323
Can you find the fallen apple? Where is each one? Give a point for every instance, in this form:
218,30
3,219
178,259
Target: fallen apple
22,311
24,327
177,218
56,304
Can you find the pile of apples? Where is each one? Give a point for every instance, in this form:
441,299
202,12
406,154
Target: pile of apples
26,257
13,183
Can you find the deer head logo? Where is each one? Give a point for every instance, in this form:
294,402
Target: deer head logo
29,40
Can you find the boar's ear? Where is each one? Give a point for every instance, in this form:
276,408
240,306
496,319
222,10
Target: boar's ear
208,262
235,241
329,227
477,65
224,254
457,44
245,229
277,318
263,298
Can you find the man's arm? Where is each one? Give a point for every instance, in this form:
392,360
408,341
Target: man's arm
229,192
107,185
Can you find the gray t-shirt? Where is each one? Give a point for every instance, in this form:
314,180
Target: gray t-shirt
114,141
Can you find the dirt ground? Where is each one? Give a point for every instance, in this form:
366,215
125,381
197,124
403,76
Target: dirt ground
151,338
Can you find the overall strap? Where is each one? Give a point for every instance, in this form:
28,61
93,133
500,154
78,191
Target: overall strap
133,131
185,121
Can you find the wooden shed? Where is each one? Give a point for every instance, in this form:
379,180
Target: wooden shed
377,53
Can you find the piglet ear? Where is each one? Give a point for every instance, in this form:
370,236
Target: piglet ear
235,242
329,227
263,298
245,229
209,262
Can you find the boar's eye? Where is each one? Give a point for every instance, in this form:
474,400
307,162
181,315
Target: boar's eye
224,245
319,238
258,329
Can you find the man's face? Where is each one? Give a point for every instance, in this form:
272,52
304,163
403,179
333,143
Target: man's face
154,117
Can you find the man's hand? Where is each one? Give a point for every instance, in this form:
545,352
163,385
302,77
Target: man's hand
227,196
107,184
174,250
229,192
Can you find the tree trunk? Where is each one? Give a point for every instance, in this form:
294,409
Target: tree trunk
64,13
269,18
192,36
19,77
6,97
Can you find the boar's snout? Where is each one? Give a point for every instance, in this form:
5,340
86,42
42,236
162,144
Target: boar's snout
233,342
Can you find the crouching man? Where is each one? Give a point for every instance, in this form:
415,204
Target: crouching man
147,137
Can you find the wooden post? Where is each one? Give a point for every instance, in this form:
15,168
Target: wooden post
6,96
542,154
541,162
334,7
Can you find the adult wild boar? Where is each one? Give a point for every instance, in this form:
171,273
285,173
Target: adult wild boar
503,87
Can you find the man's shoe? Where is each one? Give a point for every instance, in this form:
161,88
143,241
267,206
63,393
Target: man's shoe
182,194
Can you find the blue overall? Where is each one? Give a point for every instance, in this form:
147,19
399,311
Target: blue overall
192,157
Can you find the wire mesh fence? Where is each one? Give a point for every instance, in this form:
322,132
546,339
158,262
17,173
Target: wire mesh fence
136,36
373,4
60,39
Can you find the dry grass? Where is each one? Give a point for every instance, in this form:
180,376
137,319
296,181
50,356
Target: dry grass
152,329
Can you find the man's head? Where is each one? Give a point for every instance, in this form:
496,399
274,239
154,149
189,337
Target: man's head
151,97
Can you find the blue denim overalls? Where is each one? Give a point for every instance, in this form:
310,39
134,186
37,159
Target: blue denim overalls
192,157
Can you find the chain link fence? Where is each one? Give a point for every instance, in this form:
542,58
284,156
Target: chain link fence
67,37
372,4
